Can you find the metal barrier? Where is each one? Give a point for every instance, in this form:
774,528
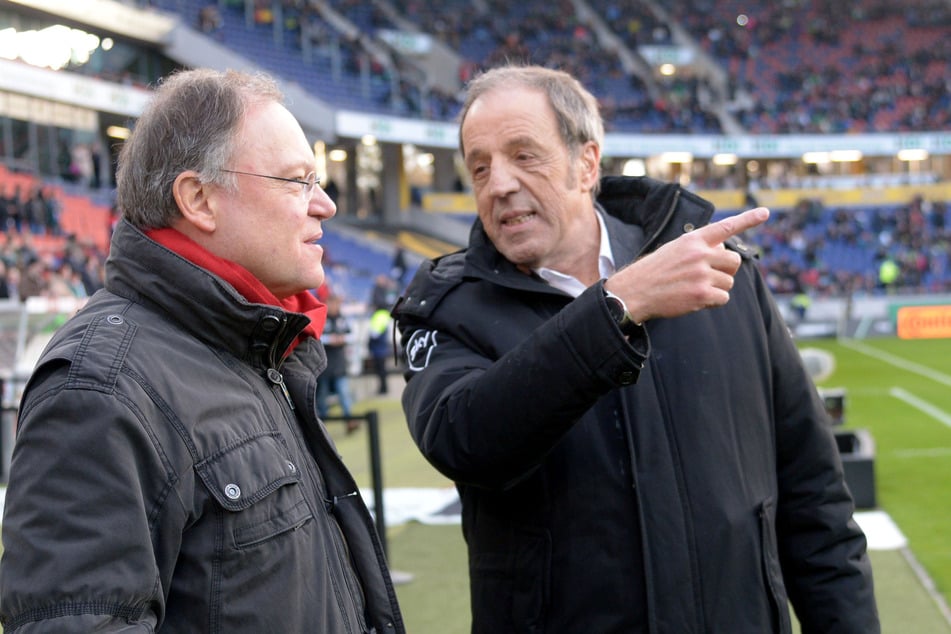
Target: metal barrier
8,418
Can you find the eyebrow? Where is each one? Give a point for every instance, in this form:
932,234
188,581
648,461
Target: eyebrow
521,141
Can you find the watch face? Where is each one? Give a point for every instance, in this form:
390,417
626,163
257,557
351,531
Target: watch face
619,312
616,308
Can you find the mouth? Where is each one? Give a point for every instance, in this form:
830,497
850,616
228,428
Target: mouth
517,219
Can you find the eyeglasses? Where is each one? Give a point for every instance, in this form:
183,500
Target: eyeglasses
308,185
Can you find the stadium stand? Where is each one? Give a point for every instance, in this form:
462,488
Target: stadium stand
790,67
335,50
837,252
828,66
300,45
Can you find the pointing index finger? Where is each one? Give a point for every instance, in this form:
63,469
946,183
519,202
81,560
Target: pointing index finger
721,230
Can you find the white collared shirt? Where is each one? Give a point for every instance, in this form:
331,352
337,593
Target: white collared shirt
573,285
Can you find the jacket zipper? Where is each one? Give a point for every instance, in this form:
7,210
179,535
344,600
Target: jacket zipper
275,377
354,614
273,374
355,588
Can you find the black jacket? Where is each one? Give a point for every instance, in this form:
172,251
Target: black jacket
685,482
162,479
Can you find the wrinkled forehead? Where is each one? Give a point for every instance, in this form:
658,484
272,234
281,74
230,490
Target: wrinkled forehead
523,112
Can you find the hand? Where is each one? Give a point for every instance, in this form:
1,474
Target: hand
693,272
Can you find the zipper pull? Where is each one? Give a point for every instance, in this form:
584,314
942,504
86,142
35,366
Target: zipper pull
331,503
277,379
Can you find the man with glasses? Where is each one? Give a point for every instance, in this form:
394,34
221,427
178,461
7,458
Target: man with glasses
170,472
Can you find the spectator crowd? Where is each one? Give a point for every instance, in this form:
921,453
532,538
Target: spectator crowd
798,66
36,258
823,252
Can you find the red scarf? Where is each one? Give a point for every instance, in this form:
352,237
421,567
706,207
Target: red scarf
244,282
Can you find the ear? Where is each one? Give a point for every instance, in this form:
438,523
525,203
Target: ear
590,164
195,201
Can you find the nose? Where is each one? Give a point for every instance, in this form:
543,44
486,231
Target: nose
321,205
502,179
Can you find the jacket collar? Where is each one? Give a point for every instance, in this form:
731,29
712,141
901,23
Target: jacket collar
663,210
142,270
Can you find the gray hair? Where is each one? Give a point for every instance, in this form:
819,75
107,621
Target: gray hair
190,124
576,109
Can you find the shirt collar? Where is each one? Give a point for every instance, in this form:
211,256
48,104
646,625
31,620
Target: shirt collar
571,285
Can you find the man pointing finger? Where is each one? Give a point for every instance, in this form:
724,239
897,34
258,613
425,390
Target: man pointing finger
606,378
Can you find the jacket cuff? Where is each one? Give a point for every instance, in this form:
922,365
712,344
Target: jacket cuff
593,333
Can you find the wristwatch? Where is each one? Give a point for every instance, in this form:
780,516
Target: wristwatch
620,314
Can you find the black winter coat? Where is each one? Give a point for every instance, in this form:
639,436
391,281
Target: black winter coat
162,480
684,482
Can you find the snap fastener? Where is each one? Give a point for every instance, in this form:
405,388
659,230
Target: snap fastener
291,466
232,491
115,319
270,323
689,227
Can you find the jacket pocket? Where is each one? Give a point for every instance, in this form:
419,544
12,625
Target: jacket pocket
772,570
257,483
511,583
531,581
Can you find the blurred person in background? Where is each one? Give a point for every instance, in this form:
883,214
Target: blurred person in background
34,278
335,379
379,342
5,284
605,376
170,473
379,347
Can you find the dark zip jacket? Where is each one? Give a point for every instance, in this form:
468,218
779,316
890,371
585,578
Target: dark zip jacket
685,481
170,473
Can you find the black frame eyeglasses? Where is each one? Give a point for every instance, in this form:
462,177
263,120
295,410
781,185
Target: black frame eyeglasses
308,185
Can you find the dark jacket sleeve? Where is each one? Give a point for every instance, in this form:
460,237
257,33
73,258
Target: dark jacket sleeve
489,421
825,565
87,489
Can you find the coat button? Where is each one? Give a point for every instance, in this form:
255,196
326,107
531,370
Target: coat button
270,323
626,378
232,491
